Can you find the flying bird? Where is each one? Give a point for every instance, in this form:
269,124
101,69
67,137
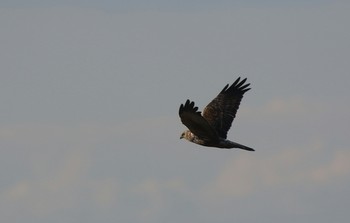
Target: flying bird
210,129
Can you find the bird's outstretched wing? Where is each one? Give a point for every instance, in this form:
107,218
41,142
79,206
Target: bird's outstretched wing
193,120
221,111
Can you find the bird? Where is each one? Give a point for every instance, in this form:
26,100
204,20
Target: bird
210,128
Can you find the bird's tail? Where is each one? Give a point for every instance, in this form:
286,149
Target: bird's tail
245,148
240,146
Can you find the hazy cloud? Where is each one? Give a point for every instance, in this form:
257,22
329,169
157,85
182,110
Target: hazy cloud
300,166
89,130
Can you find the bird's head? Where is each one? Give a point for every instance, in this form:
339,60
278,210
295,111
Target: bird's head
187,135
182,135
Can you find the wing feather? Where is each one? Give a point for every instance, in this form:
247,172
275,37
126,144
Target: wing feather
221,111
194,121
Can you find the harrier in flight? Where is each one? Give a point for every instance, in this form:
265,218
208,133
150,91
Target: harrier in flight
210,129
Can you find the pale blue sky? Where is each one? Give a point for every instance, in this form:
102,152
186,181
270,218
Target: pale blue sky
89,94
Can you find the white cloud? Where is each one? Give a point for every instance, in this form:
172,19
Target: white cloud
59,164
43,195
154,195
291,167
337,167
105,192
108,69
280,107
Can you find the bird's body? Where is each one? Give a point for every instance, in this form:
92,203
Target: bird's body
210,129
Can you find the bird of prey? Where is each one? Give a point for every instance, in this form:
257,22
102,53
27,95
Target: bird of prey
210,129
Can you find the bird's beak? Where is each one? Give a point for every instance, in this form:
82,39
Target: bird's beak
182,136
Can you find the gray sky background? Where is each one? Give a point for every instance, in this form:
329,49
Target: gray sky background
90,90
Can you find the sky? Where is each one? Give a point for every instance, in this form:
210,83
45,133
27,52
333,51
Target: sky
90,91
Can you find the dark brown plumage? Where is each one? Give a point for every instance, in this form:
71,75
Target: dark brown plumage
211,128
